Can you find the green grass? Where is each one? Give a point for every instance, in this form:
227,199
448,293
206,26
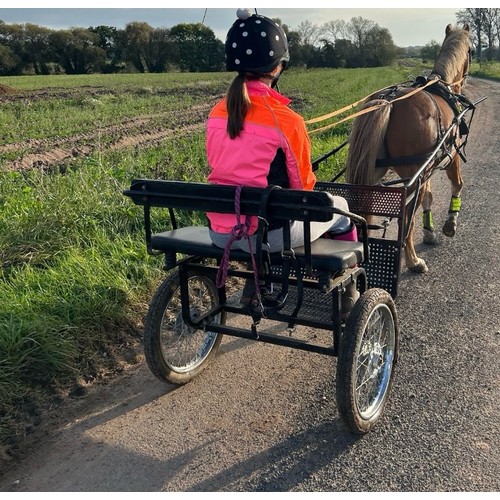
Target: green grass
75,278
486,69
80,110
112,81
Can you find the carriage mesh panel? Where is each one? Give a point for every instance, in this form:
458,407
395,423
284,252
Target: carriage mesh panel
317,306
385,254
364,200
383,269
382,272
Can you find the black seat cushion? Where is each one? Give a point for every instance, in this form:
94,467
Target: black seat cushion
326,254
193,240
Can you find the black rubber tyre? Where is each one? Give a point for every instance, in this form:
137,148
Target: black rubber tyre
174,351
366,361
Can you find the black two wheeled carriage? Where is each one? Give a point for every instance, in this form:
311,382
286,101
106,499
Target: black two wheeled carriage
187,315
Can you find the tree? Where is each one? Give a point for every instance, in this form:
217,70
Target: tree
148,49
345,51
328,57
198,48
379,49
110,40
29,47
496,22
77,51
309,33
334,30
11,49
136,38
8,61
358,28
159,50
36,48
295,49
430,51
475,18
491,29
484,25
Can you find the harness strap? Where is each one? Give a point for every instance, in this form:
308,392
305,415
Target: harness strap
455,101
263,224
402,160
290,260
238,232
287,254
420,84
369,109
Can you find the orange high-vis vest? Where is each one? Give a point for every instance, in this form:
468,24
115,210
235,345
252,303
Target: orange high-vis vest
271,130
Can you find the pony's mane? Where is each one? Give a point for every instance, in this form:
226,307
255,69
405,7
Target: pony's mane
453,53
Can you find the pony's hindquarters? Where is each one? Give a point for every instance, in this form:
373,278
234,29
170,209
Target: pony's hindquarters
366,143
380,134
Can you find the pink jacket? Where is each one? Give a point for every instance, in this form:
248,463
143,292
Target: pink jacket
246,160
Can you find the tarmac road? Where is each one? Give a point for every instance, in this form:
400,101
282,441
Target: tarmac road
264,418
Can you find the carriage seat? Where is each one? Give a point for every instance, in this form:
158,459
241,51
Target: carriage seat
270,204
326,254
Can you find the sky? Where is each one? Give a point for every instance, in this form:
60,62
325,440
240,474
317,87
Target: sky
408,26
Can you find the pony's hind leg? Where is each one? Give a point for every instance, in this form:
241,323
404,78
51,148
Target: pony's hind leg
454,174
430,237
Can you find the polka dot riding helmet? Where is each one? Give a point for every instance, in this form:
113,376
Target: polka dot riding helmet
255,43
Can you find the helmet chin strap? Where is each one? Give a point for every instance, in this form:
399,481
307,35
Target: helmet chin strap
274,83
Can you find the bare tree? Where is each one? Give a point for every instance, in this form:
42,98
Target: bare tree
334,30
358,28
491,29
476,20
309,33
496,22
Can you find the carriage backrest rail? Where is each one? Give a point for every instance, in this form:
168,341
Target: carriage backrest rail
266,203
283,204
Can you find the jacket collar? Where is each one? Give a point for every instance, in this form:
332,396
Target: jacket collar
255,87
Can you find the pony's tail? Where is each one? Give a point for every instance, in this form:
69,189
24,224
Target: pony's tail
366,143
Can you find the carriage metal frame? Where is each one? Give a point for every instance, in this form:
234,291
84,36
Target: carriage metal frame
187,316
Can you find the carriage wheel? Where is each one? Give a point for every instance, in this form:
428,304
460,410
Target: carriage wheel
366,360
176,352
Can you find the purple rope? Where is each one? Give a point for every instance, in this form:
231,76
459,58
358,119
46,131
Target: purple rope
238,232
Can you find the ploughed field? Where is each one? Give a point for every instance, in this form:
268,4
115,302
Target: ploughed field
143,130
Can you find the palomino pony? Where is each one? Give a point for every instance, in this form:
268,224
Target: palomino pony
401,131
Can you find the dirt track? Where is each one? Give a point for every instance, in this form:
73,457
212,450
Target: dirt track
264,418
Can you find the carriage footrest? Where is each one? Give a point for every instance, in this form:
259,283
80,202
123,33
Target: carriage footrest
326,254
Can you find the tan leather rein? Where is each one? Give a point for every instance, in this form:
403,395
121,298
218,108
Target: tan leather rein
367,110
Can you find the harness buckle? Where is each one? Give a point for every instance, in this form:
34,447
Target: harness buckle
288,253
